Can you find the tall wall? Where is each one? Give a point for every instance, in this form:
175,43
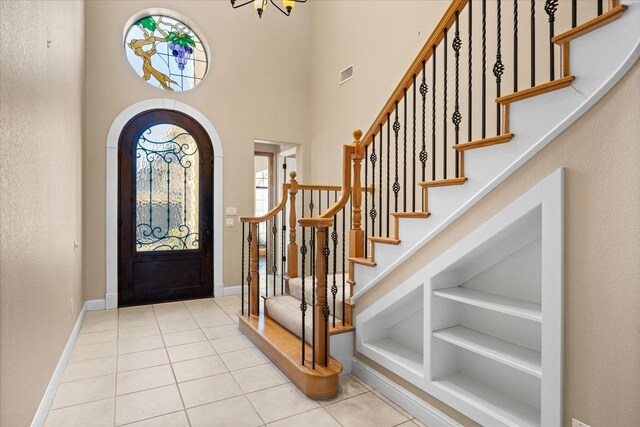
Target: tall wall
256,89
602,270
41,104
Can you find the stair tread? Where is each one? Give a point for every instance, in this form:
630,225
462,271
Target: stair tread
385,240
363,261
536,90
443,182
411,214
592,24
285,350
295,290
486,142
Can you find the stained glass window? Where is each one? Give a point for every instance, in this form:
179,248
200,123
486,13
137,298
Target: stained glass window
166,53
167,190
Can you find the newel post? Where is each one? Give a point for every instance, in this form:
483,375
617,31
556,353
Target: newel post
356,235
321,332
254,284
292,248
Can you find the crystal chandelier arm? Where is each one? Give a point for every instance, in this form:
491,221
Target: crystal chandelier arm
236,6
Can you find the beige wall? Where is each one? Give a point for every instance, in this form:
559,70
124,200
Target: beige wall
41,102
256,89
601,155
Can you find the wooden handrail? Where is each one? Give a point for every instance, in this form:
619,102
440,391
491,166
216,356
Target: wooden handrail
273,212
447,20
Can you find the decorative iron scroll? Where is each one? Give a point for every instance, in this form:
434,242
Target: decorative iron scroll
167,190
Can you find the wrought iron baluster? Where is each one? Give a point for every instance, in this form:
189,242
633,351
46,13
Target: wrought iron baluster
600,7
404,153
380,186
396,184
423,93
484,69
574,13
470,93
249,278
344,257
372,212
444,107
388,170
366,200
551,6
533,43
242,272
283,257
325,310
311,206
303,303
313,296
433,114
413,152
498,67
266,258
515,45
274,268
334,287
457,117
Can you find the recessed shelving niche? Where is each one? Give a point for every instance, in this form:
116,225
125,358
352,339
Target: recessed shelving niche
491,307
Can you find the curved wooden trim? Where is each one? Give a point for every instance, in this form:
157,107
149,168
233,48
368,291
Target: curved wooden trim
347,152
536,90
487,142
273,212
320,187
436,37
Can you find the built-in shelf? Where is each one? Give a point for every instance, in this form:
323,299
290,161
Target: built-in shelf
402,354
497,303
500,405
504,352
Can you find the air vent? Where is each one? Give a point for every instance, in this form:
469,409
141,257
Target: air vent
346,74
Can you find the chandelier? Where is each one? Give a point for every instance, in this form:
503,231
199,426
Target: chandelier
260,5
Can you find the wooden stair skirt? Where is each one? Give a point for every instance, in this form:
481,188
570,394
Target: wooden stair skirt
285,351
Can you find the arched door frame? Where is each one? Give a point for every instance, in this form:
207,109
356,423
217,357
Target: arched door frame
111,292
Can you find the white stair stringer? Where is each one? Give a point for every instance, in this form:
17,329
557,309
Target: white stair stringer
598,61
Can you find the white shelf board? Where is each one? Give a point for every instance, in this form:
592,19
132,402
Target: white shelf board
499,405
399,353
500,304
504,352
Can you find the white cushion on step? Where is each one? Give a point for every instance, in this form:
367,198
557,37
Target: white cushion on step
295,290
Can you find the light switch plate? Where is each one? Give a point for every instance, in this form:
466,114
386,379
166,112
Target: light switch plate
232,211
229,222
577,423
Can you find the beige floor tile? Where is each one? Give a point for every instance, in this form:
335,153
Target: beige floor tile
143,359
234,412
134,310
228,300
218,320
412,423
316,418
184,337
94,414
259,377
147,404
138,321
223,331
194,350
243,358
97,326
209,389
93,351
178,326
171,312
96,337
393,405
232,309
132,333
227,344
144,379
140,344
99,315
82,391
89,369
203,308
418,423
348,387
280,402
357,412
361,381
198,368
176,419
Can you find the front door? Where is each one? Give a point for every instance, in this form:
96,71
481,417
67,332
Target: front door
165,240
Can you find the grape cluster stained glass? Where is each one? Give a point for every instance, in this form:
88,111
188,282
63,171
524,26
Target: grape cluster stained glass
166,53
167,189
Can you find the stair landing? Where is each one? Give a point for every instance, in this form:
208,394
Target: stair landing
285,351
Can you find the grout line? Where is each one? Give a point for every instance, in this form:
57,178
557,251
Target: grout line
157,416
115,391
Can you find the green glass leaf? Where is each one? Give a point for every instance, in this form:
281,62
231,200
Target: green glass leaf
149,23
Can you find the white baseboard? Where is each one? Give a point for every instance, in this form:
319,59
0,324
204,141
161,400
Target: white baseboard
408,401
95,304
111,300
50,392
231,290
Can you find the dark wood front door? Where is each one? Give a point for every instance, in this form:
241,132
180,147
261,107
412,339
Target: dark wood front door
165,237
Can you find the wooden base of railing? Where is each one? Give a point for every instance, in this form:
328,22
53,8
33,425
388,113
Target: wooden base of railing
284,350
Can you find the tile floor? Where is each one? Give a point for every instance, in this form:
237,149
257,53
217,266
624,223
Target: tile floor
187,364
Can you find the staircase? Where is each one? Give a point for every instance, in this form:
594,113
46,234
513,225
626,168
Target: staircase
446,136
